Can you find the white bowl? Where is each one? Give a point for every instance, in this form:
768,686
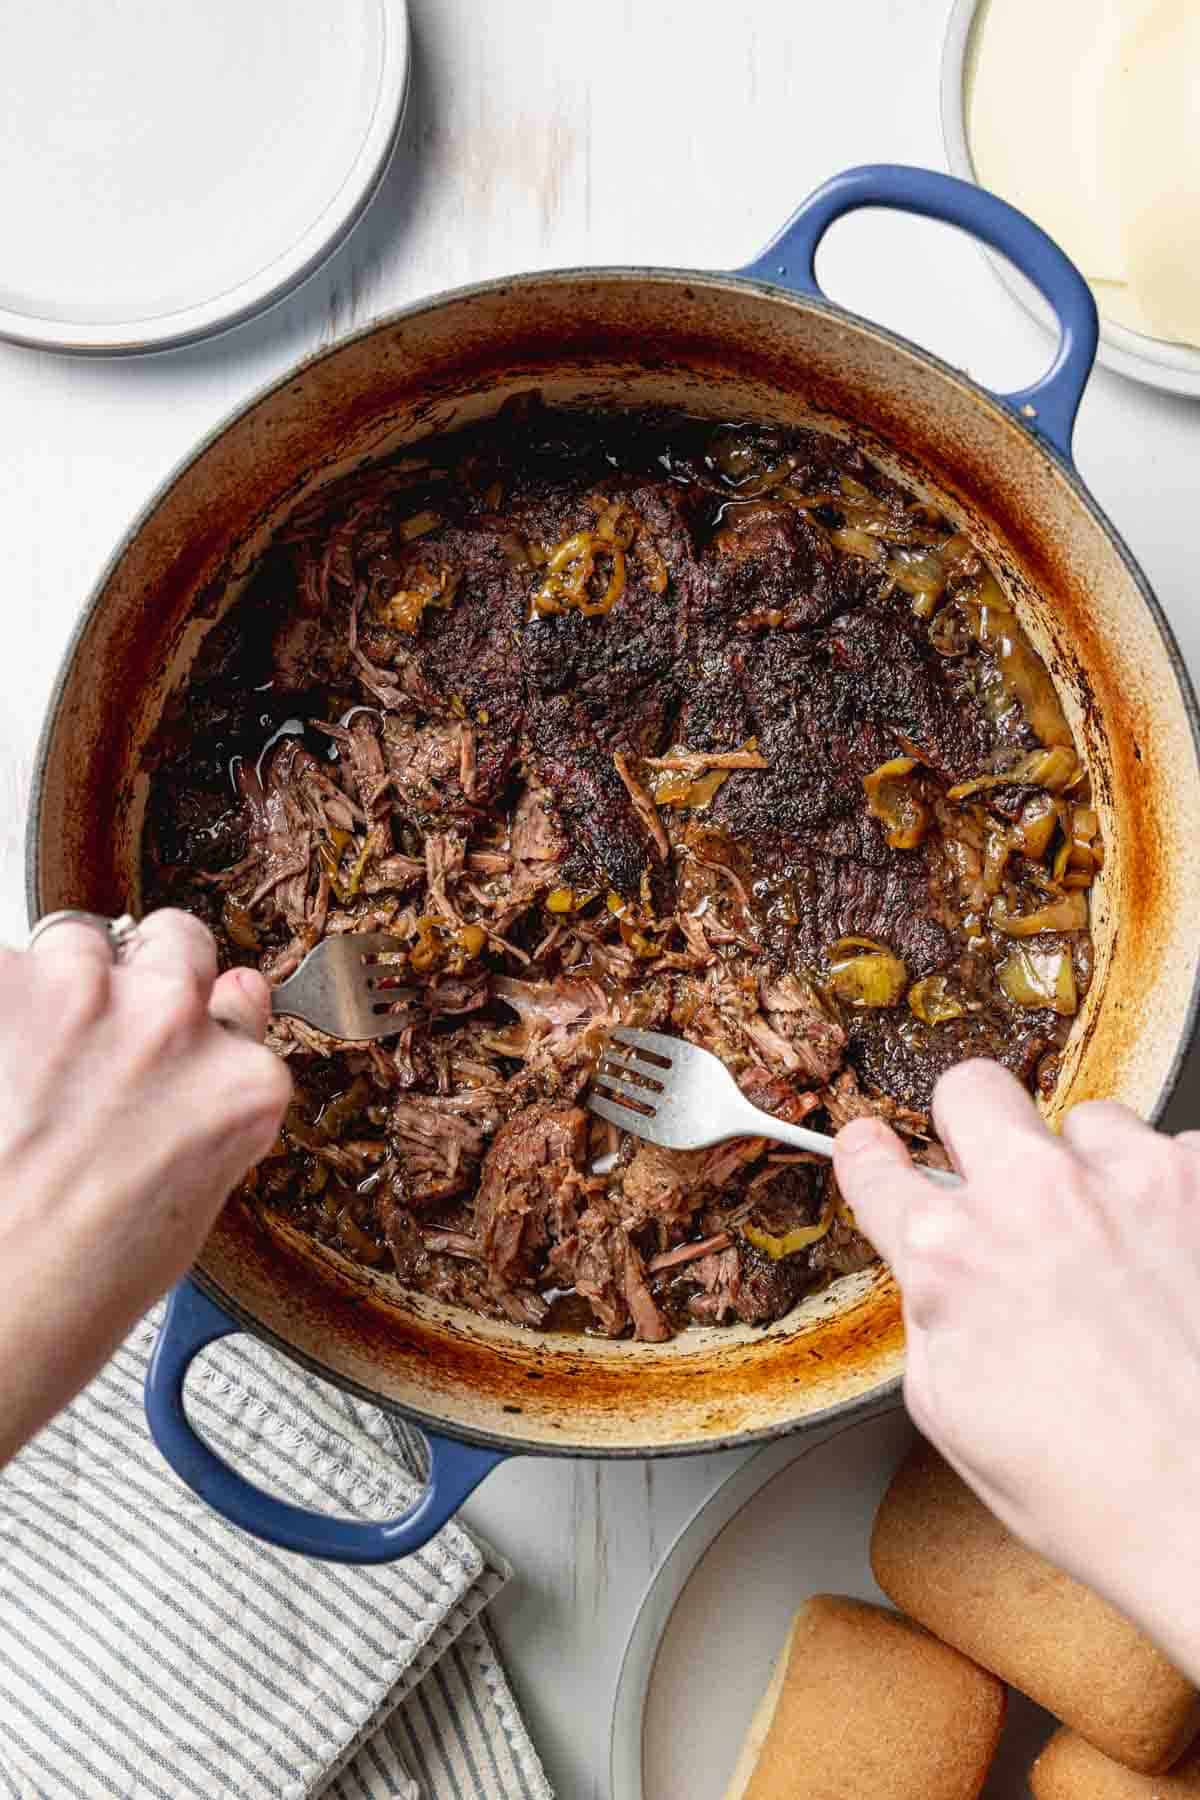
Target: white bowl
1174,367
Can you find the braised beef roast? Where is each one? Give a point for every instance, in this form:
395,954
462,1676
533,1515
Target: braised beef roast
614,717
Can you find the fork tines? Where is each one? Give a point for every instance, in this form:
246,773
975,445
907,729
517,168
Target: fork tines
373,945
648,1046
384,971
630,1083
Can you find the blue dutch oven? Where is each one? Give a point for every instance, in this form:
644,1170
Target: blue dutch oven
760,342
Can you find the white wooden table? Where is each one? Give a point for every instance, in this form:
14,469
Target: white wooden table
541,134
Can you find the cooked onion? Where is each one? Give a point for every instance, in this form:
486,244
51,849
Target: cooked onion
998,845
1036,826
404,610
1081,853
960,555
420,525
343,1107
1054,769
616,523
1070,913
430,945
1040,978
921,574
695,762
893,797
805,502
330,855
690,778
865,512
856,543
355,1238
672,787
237,921
770,478
993,624
360,864
736,456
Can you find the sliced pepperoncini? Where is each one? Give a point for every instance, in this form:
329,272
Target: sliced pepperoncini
1040,978
801,1237
865,973
933,1001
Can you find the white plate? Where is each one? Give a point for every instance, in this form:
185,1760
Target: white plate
1174,367
168,167
795,1520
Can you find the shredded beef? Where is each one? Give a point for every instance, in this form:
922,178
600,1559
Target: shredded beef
598,814
579,707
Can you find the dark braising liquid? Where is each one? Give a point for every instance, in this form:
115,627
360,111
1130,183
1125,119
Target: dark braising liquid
614,717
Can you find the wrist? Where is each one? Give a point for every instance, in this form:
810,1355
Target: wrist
57,1326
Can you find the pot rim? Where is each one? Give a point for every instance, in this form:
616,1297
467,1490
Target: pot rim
878,1398
883,1398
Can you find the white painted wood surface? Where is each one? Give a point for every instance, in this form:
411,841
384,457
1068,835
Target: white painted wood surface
543,134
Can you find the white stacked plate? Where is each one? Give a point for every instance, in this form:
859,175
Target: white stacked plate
1174,367
793,1521
170,167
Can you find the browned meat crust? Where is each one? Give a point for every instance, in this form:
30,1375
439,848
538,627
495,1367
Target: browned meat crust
580,708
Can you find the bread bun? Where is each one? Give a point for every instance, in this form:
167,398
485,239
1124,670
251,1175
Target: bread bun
938,1553
1070,1768
865,1703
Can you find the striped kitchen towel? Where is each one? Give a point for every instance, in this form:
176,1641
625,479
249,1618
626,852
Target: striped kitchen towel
149,1651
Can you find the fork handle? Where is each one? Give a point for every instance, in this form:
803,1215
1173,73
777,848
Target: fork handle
770,1127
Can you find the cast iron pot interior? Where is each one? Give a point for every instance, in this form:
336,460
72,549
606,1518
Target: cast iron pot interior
729,349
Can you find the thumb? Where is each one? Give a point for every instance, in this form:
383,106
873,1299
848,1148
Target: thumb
877,1180
241,1001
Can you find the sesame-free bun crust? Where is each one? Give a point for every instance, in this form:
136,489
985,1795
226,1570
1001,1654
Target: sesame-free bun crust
863,1704
938,1553
1070,1768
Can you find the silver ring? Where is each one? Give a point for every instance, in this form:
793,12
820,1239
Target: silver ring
118,933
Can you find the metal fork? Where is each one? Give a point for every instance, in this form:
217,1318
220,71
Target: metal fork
341,987
675,1094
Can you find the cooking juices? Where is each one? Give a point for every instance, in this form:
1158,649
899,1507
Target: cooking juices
626,718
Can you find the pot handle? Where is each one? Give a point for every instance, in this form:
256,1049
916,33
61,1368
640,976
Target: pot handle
193,1321
1050,405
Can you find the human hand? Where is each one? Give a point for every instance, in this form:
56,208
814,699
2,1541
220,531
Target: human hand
126,1116
1052,1311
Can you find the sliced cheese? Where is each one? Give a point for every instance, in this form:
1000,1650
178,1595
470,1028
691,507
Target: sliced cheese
1038,71
1120,305
1086,115
1150,119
